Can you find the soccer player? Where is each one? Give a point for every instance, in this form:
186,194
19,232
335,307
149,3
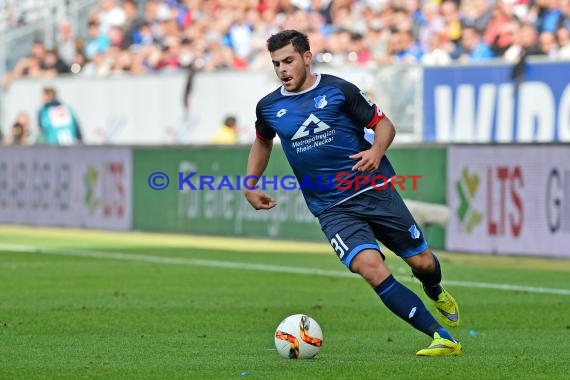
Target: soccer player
320,120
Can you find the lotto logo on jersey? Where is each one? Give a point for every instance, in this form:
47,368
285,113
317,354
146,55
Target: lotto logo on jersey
304,129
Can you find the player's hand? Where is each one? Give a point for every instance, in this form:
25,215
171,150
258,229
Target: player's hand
259,200
368,160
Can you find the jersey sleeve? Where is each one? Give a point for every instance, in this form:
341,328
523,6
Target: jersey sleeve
262,130
360,107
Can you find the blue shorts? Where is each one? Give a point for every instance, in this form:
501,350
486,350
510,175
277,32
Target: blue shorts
374,215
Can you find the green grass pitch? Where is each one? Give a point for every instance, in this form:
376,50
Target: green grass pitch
88,304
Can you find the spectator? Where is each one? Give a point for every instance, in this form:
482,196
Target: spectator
57,121
565,17
26,67
500,18
452,20
505,37
30,66
123,63
439,51
529,40
19,133
230,34
525,43
480,14
66,43
337,46
227,134
97,42
360,53
185,54
79,64
132,23
474,48
563,38
549,16
53,65
109,15
433,24
116,36
240,36
411,50
548,44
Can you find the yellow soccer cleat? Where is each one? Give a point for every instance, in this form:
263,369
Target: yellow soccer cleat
447,308
441,347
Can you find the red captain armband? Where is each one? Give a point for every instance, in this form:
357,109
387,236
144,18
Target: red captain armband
378,115
259,137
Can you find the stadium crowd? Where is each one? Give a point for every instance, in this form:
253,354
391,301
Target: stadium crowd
221,34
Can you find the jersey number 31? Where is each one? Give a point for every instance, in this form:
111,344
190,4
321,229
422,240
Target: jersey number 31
339,246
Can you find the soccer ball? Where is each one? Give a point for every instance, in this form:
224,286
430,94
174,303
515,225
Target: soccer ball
298,337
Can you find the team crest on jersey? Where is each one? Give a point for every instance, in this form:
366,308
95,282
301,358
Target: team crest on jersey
321,101
414,231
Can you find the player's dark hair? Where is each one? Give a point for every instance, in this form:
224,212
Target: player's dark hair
299,41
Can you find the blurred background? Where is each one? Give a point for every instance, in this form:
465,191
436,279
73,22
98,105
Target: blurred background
478,89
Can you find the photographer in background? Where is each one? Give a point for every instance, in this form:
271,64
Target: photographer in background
57,121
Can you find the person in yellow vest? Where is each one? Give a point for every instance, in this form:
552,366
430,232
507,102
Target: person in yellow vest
227,134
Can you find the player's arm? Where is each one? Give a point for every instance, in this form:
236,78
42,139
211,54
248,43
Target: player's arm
369,160
259,155
258,159
256,164
365,112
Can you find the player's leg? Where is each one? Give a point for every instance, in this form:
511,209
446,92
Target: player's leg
397,297
354,242
395,227
426,268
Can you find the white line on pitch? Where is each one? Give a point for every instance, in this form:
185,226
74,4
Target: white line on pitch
257,267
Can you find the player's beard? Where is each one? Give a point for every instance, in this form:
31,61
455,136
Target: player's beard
299,84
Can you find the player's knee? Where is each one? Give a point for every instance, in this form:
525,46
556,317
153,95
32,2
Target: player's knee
423,262
370,266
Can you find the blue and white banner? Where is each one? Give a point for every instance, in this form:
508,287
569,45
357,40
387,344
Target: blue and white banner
484,104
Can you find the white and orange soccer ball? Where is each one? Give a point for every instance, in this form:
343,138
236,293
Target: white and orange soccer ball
298,337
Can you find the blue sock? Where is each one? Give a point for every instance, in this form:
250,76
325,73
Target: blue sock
407,305
444,334
431,281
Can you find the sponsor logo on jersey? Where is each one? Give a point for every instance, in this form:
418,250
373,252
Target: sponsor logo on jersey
303,130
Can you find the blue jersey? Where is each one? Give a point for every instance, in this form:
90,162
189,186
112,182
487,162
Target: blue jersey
319,129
